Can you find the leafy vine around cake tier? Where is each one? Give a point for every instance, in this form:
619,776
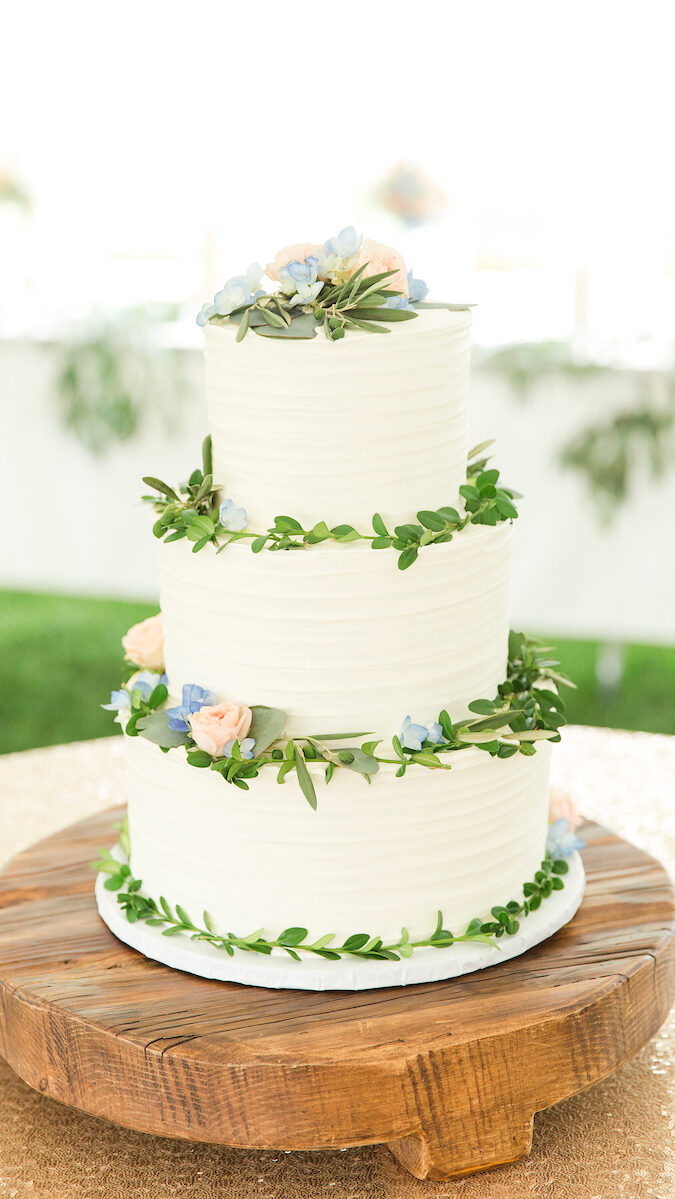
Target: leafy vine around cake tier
194,511
527,708
504,921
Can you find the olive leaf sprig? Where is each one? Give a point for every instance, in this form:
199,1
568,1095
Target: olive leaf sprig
173,920
191,511
359,303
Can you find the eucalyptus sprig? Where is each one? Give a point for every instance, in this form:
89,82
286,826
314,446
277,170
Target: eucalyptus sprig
527,709
192,511
505,920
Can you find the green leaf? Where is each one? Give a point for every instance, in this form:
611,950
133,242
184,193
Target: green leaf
319,533
355,942
267,726
155,728
361,761
304,778
199,757
479,449
381,543
345,533
451,515
379,526
407,557
243,327
158,485
292,936
272,318
408,533
431,520
485,707
287,524
158,696
487,477
302,327
382,314
446,725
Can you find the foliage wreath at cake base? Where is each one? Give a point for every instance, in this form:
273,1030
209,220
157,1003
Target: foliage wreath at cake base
437,796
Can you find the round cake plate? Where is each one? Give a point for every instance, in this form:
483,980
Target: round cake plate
448,1074
349,974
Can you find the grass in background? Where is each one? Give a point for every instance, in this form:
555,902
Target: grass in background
60,656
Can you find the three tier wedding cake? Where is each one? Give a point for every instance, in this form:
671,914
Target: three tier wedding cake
334,618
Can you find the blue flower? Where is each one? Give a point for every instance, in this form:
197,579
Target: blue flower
345,245
236,293
299,280
205,313
144,681
561,841
245,746
192,699
413,736
417,289
232,518
397,302
119,700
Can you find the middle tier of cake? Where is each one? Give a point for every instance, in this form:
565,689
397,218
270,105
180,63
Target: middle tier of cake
336,635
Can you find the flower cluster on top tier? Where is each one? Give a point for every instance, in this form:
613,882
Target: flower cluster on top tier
349,282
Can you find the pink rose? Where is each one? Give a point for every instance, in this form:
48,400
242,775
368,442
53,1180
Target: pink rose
295,253
212,727
561,806
383,258
144,643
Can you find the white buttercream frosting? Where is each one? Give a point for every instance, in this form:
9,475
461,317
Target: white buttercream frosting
369,859
336,431
336,635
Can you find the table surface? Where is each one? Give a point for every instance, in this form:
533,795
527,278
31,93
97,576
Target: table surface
615,1141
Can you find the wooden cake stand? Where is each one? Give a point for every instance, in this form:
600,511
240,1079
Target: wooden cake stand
448,1074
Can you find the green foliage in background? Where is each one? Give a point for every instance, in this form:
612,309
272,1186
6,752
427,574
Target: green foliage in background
613,450
60,657
116,372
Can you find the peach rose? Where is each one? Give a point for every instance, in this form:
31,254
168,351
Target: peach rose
212,727
561,806
295,253
383,258
144,643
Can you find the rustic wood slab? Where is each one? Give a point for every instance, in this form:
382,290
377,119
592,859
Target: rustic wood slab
448,1074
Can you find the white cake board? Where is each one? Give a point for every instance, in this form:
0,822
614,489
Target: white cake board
349,974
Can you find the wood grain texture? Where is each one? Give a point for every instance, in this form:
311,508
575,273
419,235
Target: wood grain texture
449,1074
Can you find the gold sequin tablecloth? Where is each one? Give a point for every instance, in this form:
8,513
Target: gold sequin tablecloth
615,1141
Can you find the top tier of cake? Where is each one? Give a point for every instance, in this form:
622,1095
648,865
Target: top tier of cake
336,431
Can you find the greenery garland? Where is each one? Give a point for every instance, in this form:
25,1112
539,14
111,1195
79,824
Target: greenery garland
139,907
526,709
191,511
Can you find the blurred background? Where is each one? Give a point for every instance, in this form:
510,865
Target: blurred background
516,154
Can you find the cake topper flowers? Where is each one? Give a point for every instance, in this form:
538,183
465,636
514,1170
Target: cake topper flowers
348,283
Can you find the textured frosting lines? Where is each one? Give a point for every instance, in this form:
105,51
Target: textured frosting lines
337,636
369,859
336,431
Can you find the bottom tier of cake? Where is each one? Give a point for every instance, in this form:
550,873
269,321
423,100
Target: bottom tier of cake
371,859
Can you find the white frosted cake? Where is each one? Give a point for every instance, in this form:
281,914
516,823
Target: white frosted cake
359,656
